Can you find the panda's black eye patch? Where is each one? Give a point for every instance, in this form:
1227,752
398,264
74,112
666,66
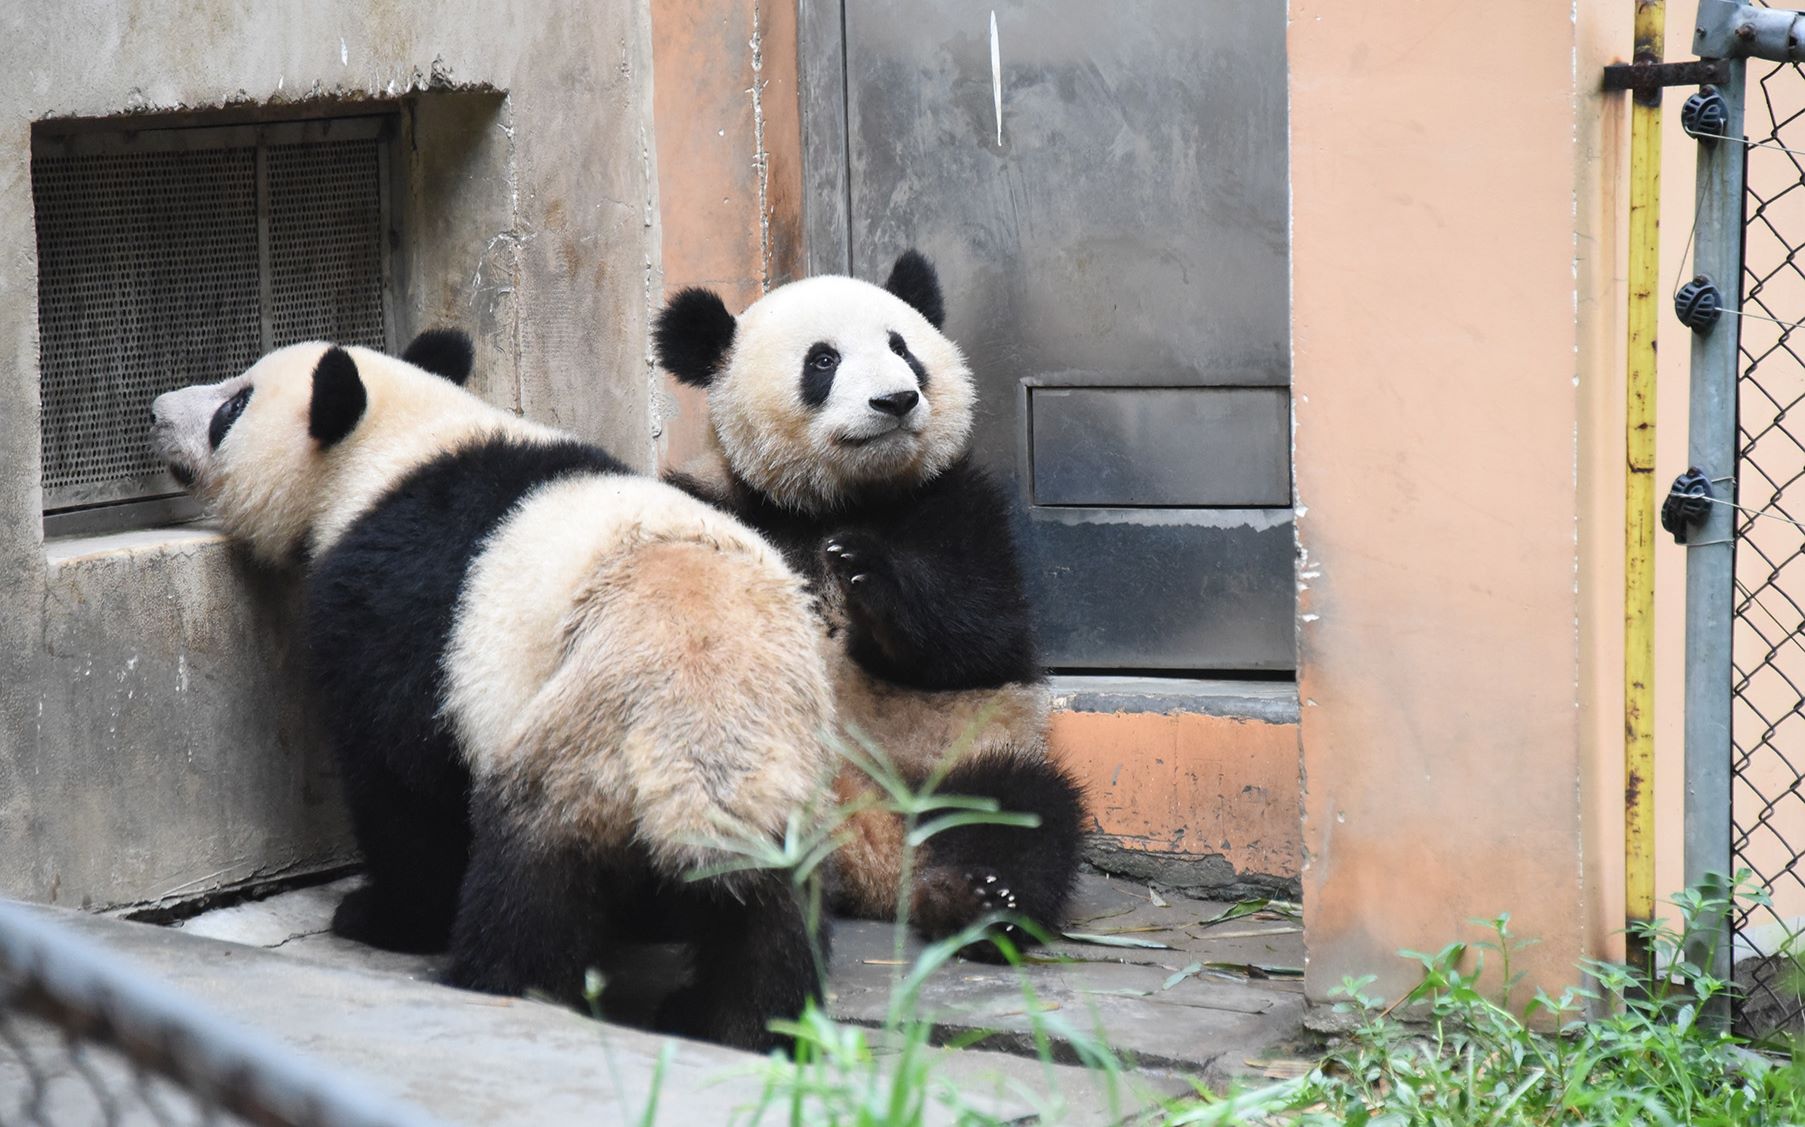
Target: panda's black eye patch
227,415
818,369
901,347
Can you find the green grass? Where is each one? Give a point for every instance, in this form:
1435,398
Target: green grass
1636,1047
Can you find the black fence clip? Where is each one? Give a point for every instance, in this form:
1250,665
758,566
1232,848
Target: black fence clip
1698,303
1705,115
1688,504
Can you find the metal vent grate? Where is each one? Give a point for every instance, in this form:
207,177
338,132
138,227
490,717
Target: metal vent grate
147,280
325,243
175,256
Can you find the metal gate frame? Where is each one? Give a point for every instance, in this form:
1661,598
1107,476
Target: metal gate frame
1704,510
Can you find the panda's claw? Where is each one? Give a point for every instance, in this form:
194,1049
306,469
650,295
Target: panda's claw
989,895
850,561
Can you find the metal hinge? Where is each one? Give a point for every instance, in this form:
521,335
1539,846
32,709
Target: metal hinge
1653,76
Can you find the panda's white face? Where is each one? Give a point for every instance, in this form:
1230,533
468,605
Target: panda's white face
241,447
834,385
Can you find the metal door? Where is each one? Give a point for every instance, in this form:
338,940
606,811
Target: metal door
1104,190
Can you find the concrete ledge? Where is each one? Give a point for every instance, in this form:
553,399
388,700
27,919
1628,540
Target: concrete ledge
180,539
1274,702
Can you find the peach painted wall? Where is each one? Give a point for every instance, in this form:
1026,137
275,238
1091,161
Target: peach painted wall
1456,326
1186,786
729,164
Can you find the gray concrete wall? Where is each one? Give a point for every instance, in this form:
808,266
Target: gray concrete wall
154,741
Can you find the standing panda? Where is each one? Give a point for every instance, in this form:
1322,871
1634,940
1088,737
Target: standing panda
841,417
556,689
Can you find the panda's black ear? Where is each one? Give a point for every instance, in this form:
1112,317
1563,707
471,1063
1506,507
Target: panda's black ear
913,279
339,398
443,352
692,336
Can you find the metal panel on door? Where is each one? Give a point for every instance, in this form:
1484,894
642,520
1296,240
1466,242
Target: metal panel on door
1107,207
1167,446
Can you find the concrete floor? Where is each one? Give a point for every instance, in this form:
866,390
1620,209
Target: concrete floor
271,965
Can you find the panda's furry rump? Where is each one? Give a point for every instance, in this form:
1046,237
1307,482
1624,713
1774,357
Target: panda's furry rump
380,605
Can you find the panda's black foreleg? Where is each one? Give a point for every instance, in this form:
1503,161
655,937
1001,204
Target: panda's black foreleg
414,849
755,959
970,871
929,620
532,914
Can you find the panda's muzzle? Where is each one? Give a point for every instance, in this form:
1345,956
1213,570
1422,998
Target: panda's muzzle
179,429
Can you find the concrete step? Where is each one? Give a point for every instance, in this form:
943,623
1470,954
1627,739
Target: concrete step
381,1020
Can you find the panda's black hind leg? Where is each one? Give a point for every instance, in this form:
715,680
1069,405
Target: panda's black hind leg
414,854
532,915
971,871
755,960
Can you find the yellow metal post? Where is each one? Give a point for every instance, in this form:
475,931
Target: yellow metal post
1639,494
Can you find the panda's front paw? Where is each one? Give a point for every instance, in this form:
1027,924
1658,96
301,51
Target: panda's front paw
856,561
950,897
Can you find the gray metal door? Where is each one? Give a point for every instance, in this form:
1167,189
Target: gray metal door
1103,187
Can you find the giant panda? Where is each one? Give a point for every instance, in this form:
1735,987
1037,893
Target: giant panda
556,689
840,418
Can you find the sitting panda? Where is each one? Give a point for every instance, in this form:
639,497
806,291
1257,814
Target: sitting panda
556,689
840,417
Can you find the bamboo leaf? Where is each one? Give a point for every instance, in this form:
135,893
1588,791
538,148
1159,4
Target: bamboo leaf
927,830
1115,941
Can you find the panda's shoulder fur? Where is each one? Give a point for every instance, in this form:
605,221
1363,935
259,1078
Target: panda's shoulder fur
375,646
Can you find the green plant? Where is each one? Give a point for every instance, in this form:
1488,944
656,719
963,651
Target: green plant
1641,1046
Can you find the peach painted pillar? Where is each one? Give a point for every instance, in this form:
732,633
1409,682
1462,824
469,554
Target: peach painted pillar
1456,319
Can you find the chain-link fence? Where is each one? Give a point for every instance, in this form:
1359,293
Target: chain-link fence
1767,796
85,1038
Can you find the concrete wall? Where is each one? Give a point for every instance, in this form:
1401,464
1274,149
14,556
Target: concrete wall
152,740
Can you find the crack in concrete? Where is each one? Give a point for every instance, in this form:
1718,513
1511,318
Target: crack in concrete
295,936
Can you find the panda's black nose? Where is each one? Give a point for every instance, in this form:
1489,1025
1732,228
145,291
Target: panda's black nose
898,403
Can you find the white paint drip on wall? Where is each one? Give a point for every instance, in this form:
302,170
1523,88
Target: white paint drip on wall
761,160
344,53
996,75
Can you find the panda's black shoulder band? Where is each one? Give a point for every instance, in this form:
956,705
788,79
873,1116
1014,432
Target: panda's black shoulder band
443,352
339,398
692,336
